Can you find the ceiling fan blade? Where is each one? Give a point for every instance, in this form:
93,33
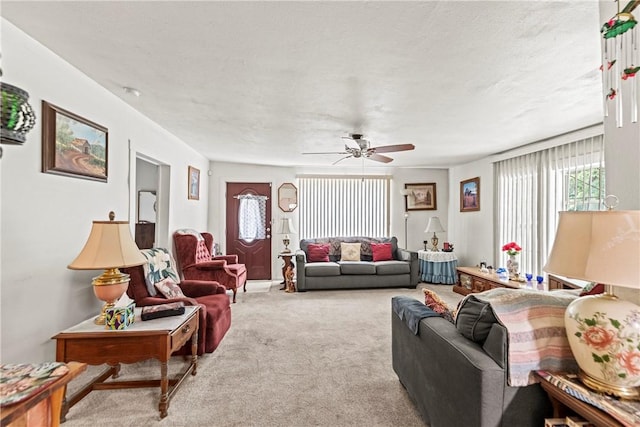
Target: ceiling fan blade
393,148
329,152
380,158
339,160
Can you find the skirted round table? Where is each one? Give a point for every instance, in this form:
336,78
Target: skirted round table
438,267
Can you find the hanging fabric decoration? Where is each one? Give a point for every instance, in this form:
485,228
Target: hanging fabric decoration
622,58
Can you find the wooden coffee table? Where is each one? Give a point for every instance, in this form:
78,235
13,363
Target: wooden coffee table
152,339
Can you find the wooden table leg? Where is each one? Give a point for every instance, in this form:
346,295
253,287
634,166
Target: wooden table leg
163,406
194,352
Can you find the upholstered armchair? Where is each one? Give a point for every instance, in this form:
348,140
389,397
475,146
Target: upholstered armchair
193,252
215,310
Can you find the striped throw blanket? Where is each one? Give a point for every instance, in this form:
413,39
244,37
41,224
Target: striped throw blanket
535,324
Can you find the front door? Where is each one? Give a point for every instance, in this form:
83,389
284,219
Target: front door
249,227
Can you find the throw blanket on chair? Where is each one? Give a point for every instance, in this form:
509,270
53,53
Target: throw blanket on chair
535,324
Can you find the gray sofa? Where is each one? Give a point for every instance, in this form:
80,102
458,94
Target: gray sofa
402,271
455,381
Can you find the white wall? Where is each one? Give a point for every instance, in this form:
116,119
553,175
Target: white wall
46,219
222,172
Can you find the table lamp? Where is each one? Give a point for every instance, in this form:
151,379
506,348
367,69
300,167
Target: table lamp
108,247
603,331
434,226
286,228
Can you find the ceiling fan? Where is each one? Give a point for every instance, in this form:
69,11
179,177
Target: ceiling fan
365,150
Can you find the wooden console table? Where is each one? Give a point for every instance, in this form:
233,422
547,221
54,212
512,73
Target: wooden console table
471,280
152,339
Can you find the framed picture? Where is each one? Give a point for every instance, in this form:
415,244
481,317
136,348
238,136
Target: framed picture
470,195
73,145
420,197
194,183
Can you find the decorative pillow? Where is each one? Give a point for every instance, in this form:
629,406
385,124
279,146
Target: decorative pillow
474,319
350,251
592,288
168,288
318,252
160,266
381,252
435,303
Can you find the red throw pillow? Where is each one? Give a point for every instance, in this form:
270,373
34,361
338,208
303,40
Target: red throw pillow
381,251
318,252
592,289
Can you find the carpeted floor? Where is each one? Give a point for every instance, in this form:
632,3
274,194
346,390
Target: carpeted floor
319,358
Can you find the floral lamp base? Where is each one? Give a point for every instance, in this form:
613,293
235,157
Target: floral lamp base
513,266
604,335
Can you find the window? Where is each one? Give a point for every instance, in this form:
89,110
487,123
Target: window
531,189
343,206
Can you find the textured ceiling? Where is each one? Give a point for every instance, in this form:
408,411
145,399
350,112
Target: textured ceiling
263,82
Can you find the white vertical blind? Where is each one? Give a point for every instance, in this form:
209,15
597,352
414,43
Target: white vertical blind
531,190
343,206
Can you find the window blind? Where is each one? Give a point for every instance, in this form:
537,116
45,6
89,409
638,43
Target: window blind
532,189
343,206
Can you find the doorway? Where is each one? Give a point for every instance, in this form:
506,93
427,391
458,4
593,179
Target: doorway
248,225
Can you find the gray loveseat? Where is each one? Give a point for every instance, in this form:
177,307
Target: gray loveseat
455,381
401,271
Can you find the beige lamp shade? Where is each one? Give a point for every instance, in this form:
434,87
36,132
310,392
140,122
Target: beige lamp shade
110,245
598,246
286,226
434,225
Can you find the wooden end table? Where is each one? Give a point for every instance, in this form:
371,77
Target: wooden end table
287,271
152,339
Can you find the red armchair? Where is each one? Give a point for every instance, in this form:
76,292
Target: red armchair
193,252
215,310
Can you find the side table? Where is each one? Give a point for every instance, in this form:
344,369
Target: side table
438,267
152,339
287,271
562,391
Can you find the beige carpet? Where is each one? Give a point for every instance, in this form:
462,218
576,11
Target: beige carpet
319,358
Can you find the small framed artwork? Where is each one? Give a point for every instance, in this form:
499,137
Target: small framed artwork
73,145
194,183
470,195
420,197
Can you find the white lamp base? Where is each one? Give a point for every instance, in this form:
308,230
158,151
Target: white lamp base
604,335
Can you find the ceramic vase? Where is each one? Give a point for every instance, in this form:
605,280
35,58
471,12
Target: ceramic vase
513,266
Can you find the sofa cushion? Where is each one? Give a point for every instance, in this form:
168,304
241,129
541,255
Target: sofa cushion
169,289
318,252
381,251
386,268
321,269
349,251
365,249
357,267
474,319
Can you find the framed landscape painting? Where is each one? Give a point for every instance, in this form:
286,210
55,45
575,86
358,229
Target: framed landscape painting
73,145
470,195
194,183
420,197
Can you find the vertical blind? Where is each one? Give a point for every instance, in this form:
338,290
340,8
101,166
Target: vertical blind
343,206
532,188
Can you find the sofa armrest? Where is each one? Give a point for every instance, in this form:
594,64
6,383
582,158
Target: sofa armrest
412,258
301,260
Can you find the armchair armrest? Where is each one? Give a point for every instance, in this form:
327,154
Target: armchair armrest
231,259
207,265
199,288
